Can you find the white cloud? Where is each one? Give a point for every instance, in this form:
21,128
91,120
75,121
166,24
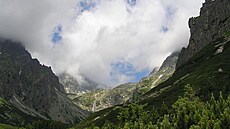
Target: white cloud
105,33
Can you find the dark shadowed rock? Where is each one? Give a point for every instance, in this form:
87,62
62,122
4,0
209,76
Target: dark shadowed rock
33,88
213,22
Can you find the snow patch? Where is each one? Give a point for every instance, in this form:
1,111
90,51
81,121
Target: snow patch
219,50
160,76
220,70
16,99
96,118
19,73
153,84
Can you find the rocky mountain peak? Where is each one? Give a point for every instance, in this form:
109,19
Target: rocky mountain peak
70,83
154,71
33,88
72,86
213,22
170,61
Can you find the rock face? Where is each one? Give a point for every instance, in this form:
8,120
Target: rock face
213,22
170,61
33,88
72,86
70,83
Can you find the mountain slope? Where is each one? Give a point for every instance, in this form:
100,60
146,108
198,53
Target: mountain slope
33,88
207,69
70,83
125,93
104,98
11,115
213,22
72,86
208,72
165,71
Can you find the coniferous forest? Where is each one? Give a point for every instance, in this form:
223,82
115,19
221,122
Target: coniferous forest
115,64
188,112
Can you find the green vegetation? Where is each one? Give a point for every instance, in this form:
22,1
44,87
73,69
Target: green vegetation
105,98
39,124
188,112
150,82
208,73
227,34
202,71
12,117
2,101
124,93
46,124
5,126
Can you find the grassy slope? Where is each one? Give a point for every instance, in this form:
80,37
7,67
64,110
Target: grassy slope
10,115
201,72
4,126
105,97
109,97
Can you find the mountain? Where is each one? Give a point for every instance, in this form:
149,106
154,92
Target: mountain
125,93
9,114
213,22
205,62
89,84
104,98
72,86
163,73
204,65
70,83
32,89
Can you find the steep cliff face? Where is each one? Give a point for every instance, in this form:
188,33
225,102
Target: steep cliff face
33,88
213,22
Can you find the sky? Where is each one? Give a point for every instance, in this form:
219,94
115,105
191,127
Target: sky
108,41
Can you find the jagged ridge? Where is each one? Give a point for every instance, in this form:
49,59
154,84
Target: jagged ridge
33,88
213,22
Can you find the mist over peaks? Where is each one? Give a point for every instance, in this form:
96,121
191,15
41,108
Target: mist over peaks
94,38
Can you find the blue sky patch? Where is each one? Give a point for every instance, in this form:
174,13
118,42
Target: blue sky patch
87,5
139,75
170,11
56,36
123,67
164,29
132,2
127,69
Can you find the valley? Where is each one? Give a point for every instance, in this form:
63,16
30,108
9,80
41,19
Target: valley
190,90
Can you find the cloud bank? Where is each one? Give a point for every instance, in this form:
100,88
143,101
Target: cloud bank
108,41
